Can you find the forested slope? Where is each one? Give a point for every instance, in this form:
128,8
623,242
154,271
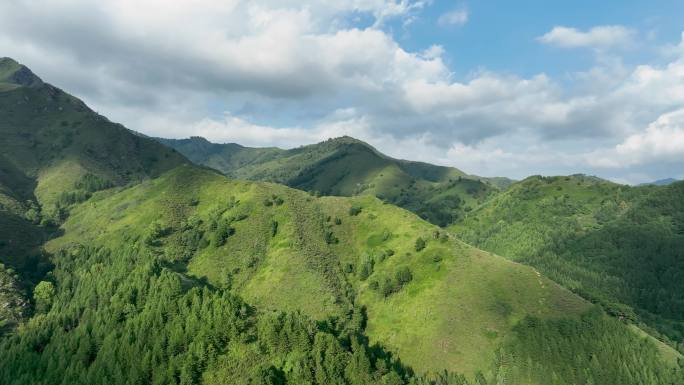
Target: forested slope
620,246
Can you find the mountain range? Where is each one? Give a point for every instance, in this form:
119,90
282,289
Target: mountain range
134,260
346,167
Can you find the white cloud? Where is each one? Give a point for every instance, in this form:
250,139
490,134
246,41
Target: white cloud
433,52
601,37
278,51
661,141
456,17
235,129
389,9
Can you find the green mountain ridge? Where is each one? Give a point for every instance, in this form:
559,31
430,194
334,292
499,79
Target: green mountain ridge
33,110
56,151
346,167
158,271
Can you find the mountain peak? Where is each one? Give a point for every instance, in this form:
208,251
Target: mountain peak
8,61
199,139
346,139
13,72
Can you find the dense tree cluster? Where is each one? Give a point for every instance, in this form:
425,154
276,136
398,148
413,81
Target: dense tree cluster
273,200
582,351
420,244
390,285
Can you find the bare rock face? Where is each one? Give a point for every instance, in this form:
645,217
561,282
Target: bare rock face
15,73
24,77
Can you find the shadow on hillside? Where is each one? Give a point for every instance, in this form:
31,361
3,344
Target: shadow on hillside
21,247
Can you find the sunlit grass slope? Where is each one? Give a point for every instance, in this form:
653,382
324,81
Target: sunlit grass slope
190,208
461,302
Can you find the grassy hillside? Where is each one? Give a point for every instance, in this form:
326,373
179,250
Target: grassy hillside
346,166
437,304
617,245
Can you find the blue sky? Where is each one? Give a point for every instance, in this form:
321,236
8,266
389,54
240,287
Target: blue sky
491,87
502,35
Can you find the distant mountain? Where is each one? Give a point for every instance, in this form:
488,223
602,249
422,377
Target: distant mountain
617,245
660,182
345,167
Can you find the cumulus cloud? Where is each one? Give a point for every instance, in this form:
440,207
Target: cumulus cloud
279,51
230,128
661,141
456,17
383,10
600,37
